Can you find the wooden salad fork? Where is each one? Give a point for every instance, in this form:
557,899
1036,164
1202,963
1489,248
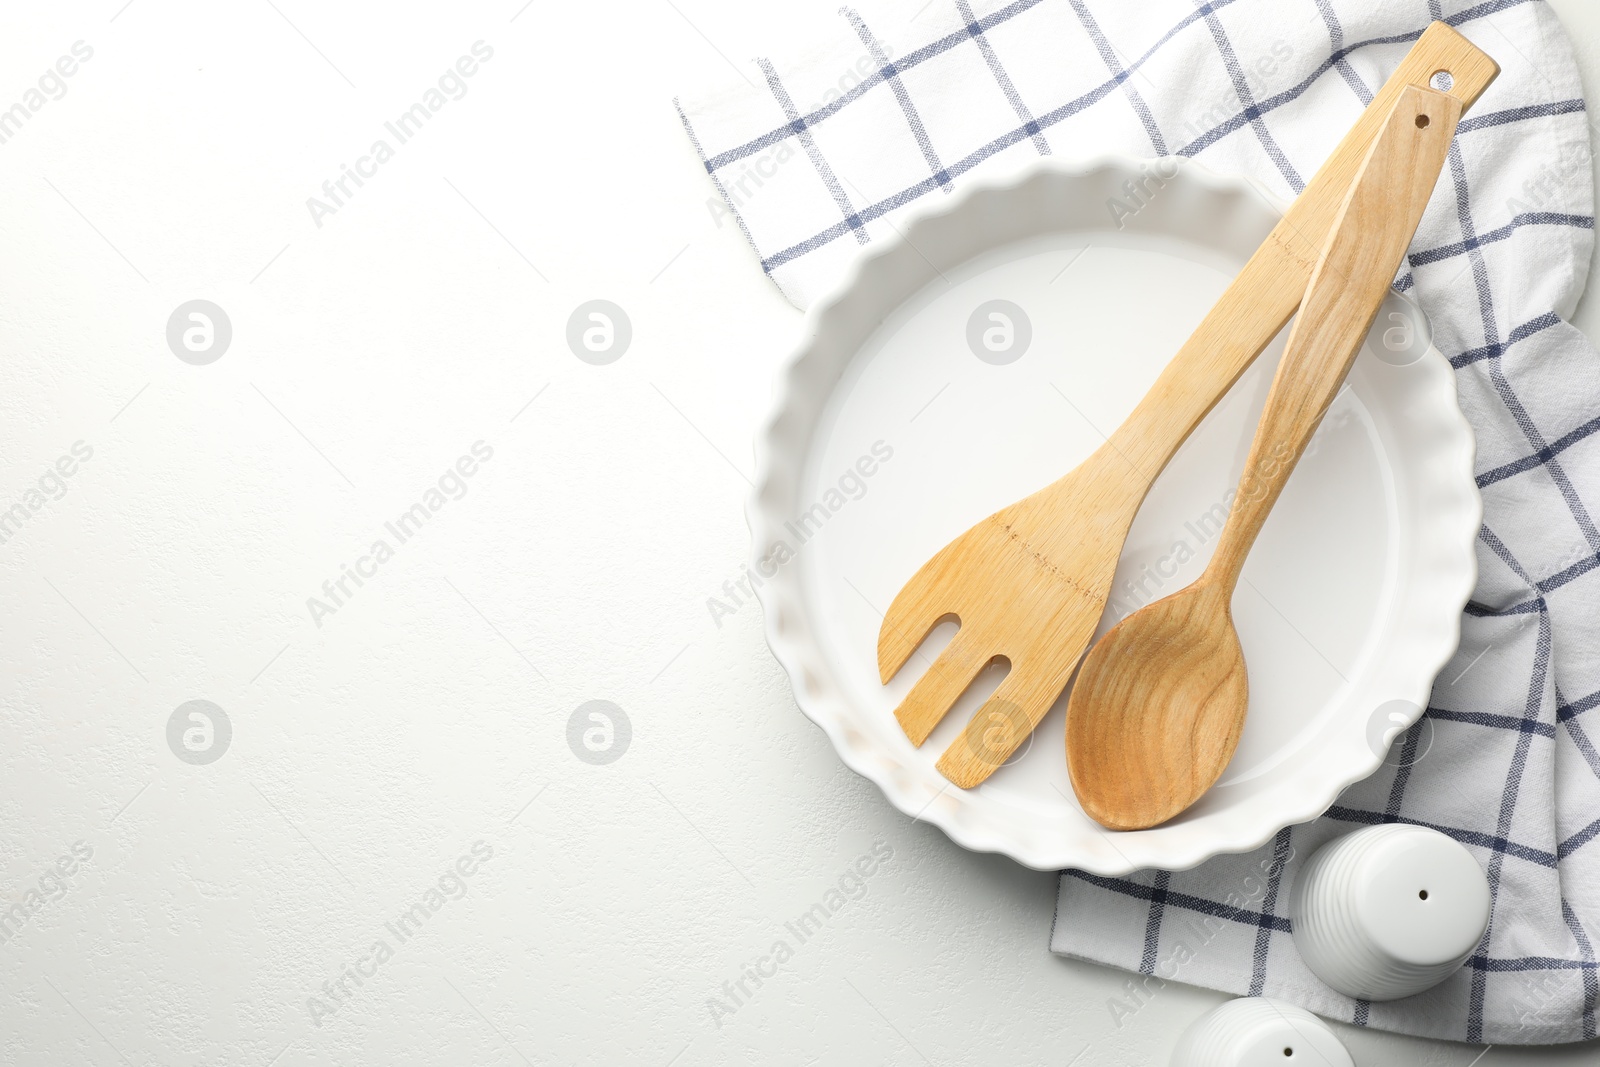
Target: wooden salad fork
1029,583
1157,709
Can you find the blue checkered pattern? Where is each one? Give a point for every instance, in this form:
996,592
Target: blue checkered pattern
816,162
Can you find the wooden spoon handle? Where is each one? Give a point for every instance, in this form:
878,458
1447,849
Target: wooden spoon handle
1266,292
1369,238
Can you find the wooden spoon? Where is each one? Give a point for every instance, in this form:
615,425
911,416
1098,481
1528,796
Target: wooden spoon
1030,582
1157,708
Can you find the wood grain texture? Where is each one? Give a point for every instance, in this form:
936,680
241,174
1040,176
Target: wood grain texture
1158,707
1028,584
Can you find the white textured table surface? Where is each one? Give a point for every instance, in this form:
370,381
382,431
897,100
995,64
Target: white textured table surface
398,768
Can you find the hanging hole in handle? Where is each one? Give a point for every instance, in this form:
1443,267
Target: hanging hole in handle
1422,122
1442,80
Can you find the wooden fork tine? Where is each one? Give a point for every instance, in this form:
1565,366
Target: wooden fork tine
998,728
911,617
941,685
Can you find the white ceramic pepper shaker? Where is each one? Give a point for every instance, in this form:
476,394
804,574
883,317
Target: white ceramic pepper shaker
1388,911
1259,1032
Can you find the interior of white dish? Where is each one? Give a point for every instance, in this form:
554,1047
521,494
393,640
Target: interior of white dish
1328,608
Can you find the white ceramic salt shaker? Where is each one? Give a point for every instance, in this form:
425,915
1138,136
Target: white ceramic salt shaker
1259,1032
1388,911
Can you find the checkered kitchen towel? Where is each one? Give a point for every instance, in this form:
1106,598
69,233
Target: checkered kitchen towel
815,160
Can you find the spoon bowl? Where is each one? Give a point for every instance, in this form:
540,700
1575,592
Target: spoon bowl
1160,737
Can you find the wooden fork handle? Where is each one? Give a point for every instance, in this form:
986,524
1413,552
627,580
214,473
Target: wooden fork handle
1368,240
1267,291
